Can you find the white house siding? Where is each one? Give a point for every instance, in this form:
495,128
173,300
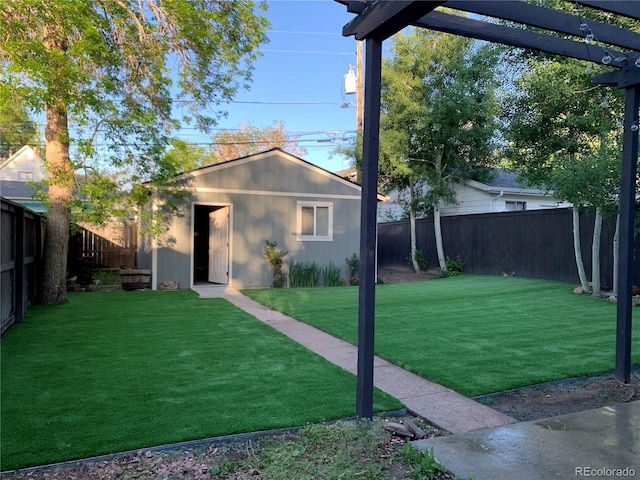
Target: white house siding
473,199
24,163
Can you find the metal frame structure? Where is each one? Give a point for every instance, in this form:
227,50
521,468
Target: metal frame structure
617,47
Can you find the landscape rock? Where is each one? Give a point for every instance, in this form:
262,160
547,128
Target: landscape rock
416,430
168,285
398,429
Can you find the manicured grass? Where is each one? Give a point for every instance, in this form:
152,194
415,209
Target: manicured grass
475,334
111,371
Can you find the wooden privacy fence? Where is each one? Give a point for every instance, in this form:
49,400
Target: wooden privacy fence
533,244
110,246
21,253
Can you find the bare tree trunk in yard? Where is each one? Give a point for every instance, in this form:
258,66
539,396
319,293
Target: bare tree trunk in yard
412,224
584,283
595,253
56,244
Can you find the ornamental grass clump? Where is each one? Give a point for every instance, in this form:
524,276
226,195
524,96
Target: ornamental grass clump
304,274
332,276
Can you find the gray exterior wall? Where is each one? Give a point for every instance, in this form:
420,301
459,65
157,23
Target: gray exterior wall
262,193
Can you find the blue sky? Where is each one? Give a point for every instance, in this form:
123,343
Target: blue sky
303,64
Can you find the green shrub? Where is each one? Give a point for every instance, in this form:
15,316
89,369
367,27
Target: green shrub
276,259
423,464
421,260
102,278
332,276
304,274
454,268
353,267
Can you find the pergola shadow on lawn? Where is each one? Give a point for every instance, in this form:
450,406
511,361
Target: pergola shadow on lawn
376,21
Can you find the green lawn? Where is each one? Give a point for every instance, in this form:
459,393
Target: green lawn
475,334
111,371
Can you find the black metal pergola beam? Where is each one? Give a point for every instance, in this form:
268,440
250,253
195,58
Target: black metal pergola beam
378,20
505,35
540,17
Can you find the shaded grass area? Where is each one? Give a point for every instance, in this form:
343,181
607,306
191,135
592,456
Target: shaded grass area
112,371
475,334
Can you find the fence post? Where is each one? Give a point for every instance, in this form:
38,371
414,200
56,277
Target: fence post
19,266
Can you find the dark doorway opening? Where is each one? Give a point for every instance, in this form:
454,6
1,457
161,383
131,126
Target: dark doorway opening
201,242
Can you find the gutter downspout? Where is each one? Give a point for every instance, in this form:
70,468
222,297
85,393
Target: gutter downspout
493,201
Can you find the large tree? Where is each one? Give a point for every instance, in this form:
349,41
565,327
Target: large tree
562,136
17,128
249,139
438,119
108,76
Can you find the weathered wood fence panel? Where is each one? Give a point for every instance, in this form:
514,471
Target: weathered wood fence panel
533,244
111,246
20,259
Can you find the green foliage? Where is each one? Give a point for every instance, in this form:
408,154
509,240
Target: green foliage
421,259
108,78
276,259
561,130
332,276
353,269
304,274
438,114
17,128
424,465
454,268
326,451
105,277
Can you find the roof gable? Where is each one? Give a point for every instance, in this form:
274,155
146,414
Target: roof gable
25,160
257,158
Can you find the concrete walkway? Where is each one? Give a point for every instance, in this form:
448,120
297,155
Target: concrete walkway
601,443
439,405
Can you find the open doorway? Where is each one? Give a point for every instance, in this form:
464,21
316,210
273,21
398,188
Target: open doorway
211,244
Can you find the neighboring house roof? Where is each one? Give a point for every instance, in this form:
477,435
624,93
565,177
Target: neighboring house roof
506,182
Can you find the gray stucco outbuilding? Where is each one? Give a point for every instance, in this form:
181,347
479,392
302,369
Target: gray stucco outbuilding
219,233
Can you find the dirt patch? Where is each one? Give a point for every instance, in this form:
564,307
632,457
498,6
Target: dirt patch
404,275
562,397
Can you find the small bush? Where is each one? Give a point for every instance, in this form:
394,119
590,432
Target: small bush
332,276
454,268
423,464
102,278
353,267
276,259
421,260
304,274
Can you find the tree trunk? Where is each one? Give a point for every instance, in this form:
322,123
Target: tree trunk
595,253
56,244
412,224
438,233
578,250
616,253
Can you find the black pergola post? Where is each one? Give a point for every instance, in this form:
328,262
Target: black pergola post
368,228
627,221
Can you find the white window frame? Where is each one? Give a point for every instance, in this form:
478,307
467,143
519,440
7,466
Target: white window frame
314,237
516,204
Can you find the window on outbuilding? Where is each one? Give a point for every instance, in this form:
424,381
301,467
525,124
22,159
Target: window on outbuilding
315,221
